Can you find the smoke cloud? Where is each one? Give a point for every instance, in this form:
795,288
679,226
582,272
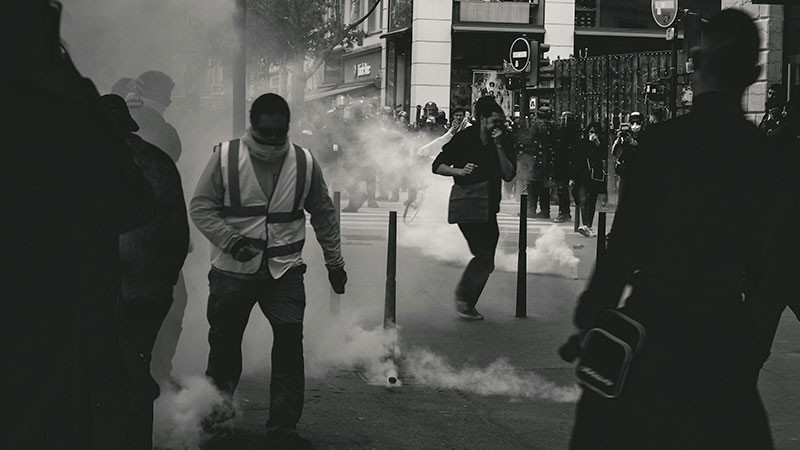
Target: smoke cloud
498,378
178,415
434,237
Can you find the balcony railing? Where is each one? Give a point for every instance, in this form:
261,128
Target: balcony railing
509,12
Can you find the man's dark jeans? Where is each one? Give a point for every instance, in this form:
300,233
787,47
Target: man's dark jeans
482,239
538,195
283,303
563,198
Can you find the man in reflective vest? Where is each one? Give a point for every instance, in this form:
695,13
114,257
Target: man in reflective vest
249,203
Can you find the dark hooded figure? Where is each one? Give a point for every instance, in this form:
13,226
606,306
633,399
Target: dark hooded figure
692,386
152,256
69,187
154,89
148,96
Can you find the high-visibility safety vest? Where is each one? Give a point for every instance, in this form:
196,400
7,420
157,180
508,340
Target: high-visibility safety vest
277,226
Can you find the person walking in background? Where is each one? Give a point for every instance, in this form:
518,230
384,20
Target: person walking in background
567,138
148,96
543,132
70,187
249,203
590,165
151,258
692,385
477,159
776,100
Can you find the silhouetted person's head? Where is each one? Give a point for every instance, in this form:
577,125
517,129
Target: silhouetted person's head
727,58
490,115
118,109
269,119
30,44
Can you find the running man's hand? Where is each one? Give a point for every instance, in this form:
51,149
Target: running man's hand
338,279
246,253
468,169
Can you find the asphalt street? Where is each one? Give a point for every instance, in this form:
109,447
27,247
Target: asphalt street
344,410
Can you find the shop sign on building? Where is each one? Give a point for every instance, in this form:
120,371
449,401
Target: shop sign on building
362,69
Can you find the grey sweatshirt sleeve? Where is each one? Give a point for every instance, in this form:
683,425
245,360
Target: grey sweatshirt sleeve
323,219
206,206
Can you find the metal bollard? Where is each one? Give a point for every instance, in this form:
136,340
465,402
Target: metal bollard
601,236
522,258
336,300
390,303
577,218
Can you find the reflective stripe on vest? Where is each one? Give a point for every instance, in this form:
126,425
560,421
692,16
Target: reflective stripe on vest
279,228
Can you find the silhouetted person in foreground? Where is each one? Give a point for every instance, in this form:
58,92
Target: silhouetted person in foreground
692,385
151,260
69,187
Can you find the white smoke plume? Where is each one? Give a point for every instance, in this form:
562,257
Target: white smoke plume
498,378
345,345
550,253
178,415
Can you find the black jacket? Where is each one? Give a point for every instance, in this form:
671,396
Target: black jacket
467,147
153,254
690,266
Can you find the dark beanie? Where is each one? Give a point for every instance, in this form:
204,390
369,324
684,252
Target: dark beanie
155,85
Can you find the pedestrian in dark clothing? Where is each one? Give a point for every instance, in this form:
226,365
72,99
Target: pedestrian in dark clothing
477,159
250,204
151,260
567,138
543,132
591,160
149,95
691,386
69,187
780,286
774,109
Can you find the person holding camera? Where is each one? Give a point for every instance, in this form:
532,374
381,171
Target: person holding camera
590,176
625,146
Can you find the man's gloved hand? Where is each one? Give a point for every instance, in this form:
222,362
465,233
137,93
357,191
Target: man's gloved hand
338,278
242,251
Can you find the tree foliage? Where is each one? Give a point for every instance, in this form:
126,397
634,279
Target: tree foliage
297,32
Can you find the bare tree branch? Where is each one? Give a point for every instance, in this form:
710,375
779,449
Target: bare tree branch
321,59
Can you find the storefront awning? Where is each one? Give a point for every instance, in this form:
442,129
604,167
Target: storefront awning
316,95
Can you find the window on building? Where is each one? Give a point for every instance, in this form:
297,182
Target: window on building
375,19
400,12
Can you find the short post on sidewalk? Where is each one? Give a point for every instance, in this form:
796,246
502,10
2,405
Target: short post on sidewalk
390,304
522,258
601,236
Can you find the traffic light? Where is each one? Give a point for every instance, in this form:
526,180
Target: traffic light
542,72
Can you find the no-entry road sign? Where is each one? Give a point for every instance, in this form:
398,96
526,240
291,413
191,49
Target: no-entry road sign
664,12
520,54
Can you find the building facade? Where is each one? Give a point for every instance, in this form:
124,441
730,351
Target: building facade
451,51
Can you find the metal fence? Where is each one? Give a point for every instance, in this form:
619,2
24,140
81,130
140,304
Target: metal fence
606,89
